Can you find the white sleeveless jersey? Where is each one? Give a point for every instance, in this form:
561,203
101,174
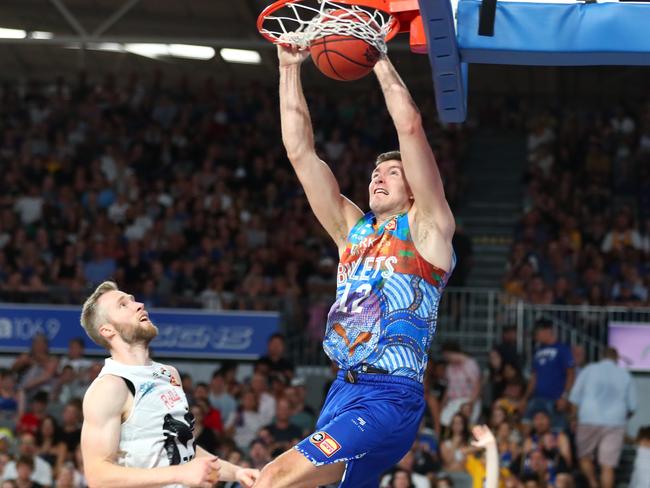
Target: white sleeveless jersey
158,431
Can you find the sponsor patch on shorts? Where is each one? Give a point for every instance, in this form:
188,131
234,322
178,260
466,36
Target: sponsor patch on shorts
325,443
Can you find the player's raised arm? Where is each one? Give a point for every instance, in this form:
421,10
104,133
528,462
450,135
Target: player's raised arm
335,212
420,168
100,438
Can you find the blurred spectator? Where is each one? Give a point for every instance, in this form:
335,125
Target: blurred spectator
303,415
435,383
72,418
406,465
546,452
275,356
463,383
244,423
259,454
641,472
508,347
579,358
11,400
552,375
219,397
37,369
76,358
266,402
49,445
41,471
606,397
203,437
284,433
455,444
31,419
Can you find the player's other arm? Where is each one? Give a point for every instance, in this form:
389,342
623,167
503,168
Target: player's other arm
335,212
419,163
231,472
100,437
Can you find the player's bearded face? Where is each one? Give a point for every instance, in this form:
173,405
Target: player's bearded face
130,319
136,331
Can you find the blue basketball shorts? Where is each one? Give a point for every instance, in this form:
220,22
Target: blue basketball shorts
369,425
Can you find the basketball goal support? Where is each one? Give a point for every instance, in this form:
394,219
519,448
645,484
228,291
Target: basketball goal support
528,33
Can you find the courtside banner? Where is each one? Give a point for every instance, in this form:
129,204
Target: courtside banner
183,333
632,341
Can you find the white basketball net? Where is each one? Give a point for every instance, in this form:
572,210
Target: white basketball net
299,23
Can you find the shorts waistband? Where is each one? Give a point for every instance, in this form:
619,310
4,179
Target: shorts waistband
361,378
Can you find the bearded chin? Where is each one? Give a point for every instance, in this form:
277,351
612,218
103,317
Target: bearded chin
138,335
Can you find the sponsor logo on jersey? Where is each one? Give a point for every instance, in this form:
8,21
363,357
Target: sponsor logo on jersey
325,443
392,225
170,398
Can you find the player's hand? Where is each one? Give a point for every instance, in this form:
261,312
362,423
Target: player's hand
290,55
484,437
201,472
247,476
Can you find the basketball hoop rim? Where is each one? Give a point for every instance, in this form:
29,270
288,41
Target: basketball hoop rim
381,5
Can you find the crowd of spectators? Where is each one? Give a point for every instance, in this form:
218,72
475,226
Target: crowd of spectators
584,237
543,441
182,194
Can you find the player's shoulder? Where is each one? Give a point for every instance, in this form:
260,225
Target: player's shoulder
107,392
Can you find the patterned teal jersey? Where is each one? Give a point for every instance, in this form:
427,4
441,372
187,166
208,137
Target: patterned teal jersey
386,301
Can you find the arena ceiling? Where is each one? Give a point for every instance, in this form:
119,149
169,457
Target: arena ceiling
225,23
217,23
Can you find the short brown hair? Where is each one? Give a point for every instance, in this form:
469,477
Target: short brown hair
388,156
89,315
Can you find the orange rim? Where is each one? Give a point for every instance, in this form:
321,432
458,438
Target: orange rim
381,5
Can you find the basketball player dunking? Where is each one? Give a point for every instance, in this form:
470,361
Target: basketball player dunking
137,429
394,263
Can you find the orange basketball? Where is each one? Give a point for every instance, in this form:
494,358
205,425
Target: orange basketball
343,57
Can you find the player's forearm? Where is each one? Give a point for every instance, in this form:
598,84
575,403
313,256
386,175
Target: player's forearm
228,471
400,104
109,475
297,131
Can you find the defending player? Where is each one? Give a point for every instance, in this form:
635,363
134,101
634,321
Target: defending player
137,429
394,264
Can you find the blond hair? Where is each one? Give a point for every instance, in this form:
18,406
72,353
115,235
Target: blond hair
90,316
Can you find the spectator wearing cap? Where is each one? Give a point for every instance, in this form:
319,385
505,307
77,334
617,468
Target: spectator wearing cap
606,397
463,383
552,375
41,470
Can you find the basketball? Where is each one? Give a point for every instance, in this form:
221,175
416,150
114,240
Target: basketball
343,57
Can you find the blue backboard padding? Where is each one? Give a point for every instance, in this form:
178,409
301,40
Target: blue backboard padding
449,74
557,34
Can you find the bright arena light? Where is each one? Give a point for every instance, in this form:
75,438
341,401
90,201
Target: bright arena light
12,33
190,51
41,35
244,56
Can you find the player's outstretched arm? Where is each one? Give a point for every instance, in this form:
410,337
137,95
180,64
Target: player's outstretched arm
100,437
485,439
336,213
419,163
231,472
